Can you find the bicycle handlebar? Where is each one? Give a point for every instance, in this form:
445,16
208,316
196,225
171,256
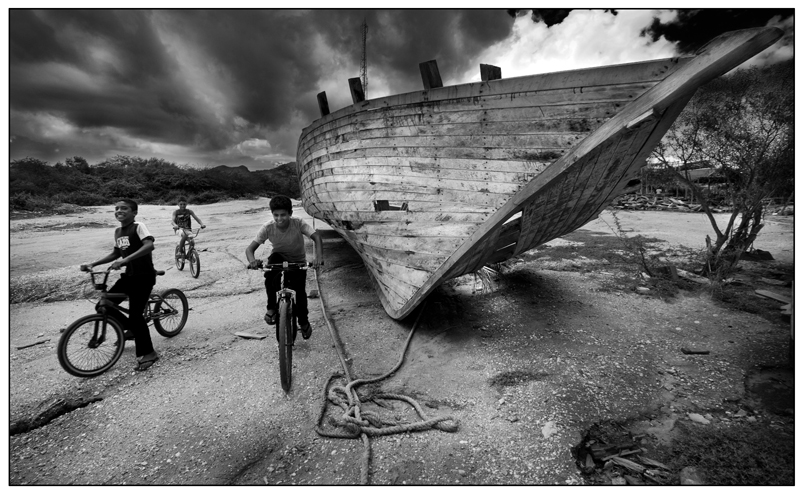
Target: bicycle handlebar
192,233
285,266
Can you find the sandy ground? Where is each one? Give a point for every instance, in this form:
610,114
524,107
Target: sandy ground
525,369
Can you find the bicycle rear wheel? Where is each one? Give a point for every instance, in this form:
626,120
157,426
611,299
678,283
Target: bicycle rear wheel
194,263
179,261
170,313
285,343
90,346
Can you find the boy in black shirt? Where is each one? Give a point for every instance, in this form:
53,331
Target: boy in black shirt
181,221
134,244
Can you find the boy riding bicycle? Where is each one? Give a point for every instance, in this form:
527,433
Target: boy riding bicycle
286,236
181,221
134,244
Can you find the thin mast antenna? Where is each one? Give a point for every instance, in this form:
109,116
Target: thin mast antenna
364,57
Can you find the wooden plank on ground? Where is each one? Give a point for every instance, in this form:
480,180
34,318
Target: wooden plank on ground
772,295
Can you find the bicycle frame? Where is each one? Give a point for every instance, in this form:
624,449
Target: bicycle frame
191,234
283,268
149,310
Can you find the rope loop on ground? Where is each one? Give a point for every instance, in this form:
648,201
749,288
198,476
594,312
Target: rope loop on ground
353,421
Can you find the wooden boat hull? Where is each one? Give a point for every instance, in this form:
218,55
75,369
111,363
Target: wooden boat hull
430,185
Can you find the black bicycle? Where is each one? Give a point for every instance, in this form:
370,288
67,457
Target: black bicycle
189,253
92,344
287,320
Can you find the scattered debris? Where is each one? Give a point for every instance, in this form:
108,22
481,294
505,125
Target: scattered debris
686,350
698,419
691,476
756,255
772,295
640,202
692,277
247,335
33,344
549,429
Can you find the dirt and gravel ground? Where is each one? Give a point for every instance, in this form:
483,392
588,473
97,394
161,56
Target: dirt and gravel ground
564,341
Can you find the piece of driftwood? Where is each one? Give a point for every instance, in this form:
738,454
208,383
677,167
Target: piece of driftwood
33,344
687,350
772,295
653,463
692,277
628,464
437,183
248,335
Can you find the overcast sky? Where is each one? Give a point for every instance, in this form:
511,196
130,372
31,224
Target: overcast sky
219,87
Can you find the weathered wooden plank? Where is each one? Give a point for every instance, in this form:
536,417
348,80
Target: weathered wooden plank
419,229
322,101
560,101
445,210
654,70
430,75
400,196
356,90
427,185
578,125
490,72
401,216
464,153
425,165
562,141
426,245
558,119
474,173
417,261
566,189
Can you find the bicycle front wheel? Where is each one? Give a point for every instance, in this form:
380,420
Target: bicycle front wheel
90,346
179,261
194,263
170,312
285,343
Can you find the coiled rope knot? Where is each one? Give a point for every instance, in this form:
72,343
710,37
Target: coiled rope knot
355,421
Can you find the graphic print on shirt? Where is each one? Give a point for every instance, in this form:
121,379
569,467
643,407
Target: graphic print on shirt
123,242
184,220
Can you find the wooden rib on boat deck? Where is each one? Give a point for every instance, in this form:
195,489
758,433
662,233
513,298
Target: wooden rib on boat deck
434,184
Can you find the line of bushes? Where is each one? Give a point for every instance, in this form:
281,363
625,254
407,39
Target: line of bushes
35,185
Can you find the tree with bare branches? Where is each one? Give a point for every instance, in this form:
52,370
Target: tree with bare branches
743,125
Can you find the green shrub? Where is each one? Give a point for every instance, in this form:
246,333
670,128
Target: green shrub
28,202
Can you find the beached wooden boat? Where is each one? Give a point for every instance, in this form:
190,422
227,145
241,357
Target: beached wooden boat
438,183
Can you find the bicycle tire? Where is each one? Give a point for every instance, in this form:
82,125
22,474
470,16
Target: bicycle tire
285,343
80,354
179,261
174,302
194,263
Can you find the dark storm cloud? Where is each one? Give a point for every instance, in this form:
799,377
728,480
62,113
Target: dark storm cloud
265,56
234,85
266,53
138,94
400,41
694,28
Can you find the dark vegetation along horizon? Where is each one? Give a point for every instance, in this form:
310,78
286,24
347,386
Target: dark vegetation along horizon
36,186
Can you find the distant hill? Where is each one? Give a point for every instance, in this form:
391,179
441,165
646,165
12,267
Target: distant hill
36,185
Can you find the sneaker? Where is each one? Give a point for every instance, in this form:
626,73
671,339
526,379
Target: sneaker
271,319
305,329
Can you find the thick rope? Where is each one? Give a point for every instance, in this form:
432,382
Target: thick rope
355,423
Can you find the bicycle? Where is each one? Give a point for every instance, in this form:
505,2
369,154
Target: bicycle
287,321
91,345
190,253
